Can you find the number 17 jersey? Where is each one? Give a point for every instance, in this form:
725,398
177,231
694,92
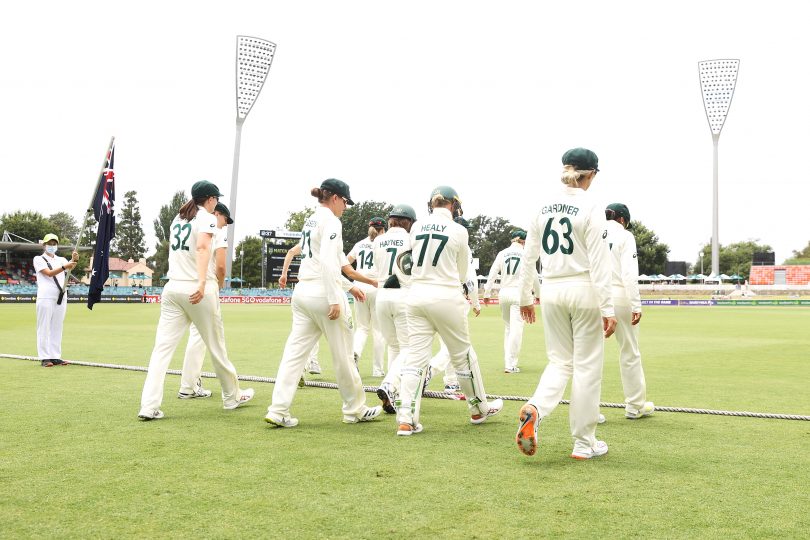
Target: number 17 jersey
183,245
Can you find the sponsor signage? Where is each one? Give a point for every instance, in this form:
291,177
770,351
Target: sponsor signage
31,298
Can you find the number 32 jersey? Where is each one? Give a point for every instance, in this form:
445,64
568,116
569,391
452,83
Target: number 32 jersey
568,235
183,245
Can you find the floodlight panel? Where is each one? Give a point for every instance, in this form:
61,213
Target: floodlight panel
253,59
717,81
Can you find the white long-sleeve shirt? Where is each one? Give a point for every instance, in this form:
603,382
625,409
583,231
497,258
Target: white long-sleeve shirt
623,253
441,255
507,266
322,256
387,247
568,235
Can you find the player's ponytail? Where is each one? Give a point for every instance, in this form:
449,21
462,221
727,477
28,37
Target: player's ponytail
571,177
189,210
372,233
321,194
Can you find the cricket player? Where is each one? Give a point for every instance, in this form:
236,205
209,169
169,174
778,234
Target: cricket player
319,306
627,303
365,313
313,367
190,380
568,235
191,296
506,267
440,259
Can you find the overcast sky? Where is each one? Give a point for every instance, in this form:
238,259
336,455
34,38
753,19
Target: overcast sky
396,98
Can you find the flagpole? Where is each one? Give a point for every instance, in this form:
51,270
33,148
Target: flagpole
89,208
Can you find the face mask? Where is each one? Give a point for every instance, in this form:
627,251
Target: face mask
51,249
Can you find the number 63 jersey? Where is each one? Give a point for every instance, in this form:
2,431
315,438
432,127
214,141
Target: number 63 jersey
568,235
183,245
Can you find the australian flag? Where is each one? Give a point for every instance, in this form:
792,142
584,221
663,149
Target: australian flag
103,210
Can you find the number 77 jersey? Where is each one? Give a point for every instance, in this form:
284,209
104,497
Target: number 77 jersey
568,234
440,253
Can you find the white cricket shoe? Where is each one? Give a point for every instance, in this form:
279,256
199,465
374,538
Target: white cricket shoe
601,419
600,449
633,414
495,406
369,414
406,430
314,368
198,392
513,369
247,395
285,422
157,414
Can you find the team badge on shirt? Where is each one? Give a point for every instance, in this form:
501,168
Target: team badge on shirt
334,234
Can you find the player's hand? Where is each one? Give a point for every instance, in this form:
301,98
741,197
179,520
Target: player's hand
334,311
71,265
609,325
485,301
197,296
359,295
635,318
74,257
477,310
282,281
527,313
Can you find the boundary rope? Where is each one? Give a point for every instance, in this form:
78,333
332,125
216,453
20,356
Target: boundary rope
431,393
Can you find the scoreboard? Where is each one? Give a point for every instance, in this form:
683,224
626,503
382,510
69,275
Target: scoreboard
276,244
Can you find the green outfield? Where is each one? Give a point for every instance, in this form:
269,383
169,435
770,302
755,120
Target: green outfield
76,463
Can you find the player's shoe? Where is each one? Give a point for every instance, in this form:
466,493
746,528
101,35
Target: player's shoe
526,437
157,414
46,363
59,362
514,369
314,368
369,414
600,449
385,394
601,419
247,395
285,422
634,414
198,392
495,406
378,374
452,388
406,430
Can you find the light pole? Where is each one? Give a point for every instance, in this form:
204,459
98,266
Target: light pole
241,268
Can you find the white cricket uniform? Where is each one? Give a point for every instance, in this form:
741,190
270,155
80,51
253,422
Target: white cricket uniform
320,285
50,315
441,361
177,313
568,235
507,266
390,308
190,380
627,300
435,304
365,313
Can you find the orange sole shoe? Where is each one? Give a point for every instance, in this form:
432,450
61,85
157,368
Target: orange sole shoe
526,437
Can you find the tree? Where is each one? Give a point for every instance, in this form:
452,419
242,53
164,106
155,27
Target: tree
88,240
295,220
800,257
65,227
251,272
27,225
652,253
734,258
129,237
159,262
355,221
488,236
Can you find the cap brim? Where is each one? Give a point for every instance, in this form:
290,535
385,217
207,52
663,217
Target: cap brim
229,221
349,202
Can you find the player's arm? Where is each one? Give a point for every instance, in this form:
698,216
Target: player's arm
528,274
629,270
219,265
203,254
291,254
601,267
463,255
494,272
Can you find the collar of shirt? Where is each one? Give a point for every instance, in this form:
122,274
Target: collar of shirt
444,212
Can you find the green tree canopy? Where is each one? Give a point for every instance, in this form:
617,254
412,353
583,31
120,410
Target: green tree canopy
488,236
160,260
129,236
734,258
800,257
27,225
65,227
652,253
355,221
251,271
295,220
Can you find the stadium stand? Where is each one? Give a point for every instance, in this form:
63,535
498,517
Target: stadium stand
780,275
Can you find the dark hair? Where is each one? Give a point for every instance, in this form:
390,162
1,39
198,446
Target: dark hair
189,210
403,222
321,194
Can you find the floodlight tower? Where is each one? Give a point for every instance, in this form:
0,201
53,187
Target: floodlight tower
253,59
718,78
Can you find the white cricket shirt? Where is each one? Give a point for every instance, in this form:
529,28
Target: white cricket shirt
322,256
183,245
622,245
441,256
387,247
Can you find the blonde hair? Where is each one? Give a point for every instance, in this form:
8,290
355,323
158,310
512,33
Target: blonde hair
571,176
438,200
372,233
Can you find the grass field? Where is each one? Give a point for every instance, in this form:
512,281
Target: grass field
76,463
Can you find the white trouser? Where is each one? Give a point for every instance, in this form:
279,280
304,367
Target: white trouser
313,354
310,319
176,314
393,324
366,318
509,300
192,362
635,387
575,347
441,361
50,320
443,310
